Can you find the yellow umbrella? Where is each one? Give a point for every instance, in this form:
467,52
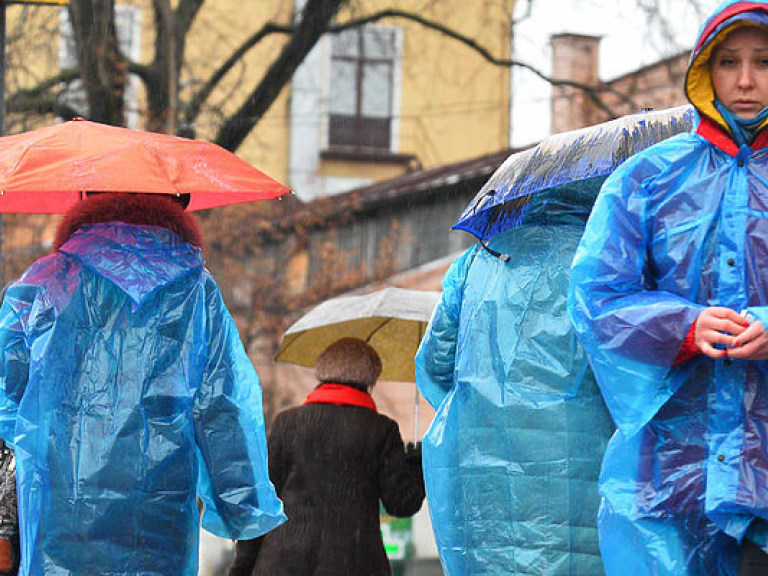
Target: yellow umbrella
392,321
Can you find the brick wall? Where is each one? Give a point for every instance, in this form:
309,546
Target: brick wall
576,58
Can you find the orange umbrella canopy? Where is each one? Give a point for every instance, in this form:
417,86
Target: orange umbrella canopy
48,170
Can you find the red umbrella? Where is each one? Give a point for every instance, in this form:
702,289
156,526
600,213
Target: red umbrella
48,170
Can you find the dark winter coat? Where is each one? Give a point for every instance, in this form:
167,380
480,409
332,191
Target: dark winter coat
331,465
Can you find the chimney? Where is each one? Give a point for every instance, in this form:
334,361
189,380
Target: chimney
575,57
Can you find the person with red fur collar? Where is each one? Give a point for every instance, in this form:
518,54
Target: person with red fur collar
332,460
126,393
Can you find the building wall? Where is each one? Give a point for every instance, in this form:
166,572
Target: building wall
220,27
657,86
576,58
449,103
452,104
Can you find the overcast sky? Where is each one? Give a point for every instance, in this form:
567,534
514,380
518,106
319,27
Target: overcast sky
629,41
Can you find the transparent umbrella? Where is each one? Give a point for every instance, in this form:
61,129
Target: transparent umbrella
565,171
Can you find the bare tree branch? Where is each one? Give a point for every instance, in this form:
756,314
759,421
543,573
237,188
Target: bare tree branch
45,86
237,127
526,15
592,91
192,109
102,68
185,15
309,30
160,76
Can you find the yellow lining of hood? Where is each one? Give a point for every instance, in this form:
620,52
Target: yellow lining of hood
698,82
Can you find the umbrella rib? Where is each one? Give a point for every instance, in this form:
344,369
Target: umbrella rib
26,151
379,327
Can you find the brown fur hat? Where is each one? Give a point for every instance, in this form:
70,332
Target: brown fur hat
348,361
147,209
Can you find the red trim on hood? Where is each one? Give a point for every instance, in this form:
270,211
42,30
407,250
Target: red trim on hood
717,19
761,141
340,395
715,134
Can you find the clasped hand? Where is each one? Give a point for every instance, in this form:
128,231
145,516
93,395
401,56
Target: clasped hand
737,337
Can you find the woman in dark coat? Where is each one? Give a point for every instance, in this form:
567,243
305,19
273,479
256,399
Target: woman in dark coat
332,460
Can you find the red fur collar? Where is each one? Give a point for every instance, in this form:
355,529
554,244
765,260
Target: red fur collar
340,395
147,209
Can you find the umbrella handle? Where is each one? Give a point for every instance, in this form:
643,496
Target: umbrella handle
416,416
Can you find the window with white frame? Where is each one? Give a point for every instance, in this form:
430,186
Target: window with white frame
128,29
364,62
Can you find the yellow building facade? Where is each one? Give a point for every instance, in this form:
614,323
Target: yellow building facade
370,103
367,104
404,92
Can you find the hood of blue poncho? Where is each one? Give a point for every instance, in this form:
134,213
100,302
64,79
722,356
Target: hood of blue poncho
137,259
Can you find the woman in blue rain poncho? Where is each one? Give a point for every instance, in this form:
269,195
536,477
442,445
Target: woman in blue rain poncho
126,392
512,457
669,296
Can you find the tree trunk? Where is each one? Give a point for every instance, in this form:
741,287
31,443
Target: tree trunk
163,78
102,68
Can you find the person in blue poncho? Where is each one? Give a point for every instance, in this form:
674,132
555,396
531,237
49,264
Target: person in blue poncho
126,393
669,296
512,457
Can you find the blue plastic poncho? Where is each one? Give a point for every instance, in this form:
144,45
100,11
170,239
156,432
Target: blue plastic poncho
679,227
126,391
512,456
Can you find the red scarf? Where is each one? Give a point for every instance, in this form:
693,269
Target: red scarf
340,395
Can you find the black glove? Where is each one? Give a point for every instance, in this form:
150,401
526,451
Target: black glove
413,453
246,553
